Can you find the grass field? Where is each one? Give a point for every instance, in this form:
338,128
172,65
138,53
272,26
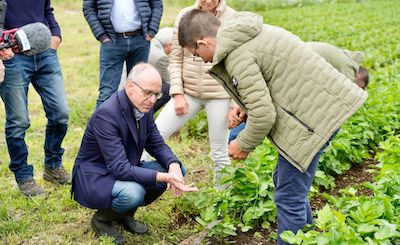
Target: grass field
371,26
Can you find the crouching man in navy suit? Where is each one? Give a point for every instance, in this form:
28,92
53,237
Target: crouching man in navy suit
108,174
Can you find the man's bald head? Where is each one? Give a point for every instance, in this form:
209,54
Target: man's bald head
143,86
143,73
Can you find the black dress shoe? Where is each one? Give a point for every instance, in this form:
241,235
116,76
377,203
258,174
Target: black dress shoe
102,225
131,225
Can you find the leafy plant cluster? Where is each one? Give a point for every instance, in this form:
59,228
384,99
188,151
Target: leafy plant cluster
247,201
390,153
196,127
360,220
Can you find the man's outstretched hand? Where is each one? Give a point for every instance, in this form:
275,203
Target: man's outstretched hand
175,180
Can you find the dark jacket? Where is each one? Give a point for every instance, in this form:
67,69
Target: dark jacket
98,12
111,149
23,12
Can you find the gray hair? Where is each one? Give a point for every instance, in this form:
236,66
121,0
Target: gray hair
138,71
164,35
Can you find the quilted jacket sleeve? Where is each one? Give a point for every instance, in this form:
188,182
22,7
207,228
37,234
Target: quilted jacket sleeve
53,25
176,60
155,19
90,12
255,96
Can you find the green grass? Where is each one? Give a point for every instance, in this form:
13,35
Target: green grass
56,219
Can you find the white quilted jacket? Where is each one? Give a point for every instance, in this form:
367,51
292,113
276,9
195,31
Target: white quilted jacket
190,76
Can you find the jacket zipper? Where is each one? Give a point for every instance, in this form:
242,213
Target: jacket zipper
297,119
222,80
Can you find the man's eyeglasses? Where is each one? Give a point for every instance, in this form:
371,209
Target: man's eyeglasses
147,93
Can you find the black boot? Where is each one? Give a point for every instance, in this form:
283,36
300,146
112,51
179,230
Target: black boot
102,224
131,225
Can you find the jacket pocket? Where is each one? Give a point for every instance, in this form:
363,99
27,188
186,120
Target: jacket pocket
93,169
292,137
298,120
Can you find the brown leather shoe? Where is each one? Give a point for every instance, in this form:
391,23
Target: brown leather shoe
30,188
58,175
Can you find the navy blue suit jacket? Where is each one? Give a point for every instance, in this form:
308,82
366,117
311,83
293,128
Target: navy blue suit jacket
111,149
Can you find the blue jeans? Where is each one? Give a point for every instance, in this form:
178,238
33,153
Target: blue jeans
164,99
133,50
128,195
234,132
291,193
44,72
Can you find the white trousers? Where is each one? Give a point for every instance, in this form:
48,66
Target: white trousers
216,109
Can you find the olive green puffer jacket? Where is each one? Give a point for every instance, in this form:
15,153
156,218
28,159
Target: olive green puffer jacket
288,92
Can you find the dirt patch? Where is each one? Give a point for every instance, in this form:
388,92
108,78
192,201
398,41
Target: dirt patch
355,176
255,237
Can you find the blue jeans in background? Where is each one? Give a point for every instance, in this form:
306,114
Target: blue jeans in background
164,99
44,72
128,195
291,193
133,50
234,132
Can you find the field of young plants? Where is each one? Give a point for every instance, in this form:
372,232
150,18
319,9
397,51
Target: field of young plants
356,193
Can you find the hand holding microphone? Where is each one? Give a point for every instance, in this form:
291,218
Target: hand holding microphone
30,39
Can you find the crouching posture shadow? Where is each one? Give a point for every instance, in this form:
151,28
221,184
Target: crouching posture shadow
108,174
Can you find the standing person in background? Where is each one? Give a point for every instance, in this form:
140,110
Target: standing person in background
159,50
125,29
345,61
193,89
44,72
290,94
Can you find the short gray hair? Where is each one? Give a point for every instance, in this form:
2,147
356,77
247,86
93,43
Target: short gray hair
137,71
164,35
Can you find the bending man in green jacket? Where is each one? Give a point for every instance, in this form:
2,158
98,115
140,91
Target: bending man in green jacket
345,61
290,95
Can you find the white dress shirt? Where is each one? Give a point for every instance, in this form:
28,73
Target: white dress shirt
125,16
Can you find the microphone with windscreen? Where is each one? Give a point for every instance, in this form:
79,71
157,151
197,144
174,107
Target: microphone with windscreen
30,39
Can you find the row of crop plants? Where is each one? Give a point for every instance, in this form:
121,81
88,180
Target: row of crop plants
348,219
248,202
351,219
